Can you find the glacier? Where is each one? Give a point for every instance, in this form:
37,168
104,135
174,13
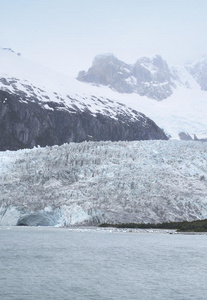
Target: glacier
90,183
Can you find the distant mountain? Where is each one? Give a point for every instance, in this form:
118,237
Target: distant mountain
151,77
37,107
147,77
199,71
181,91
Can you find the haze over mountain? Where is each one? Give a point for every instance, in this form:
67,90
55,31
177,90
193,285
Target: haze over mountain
181,90
67,36
151,77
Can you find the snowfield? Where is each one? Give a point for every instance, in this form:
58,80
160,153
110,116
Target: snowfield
96,182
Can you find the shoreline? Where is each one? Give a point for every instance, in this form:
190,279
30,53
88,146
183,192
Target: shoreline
107,229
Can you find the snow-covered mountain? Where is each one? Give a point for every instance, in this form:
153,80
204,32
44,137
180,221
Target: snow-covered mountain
95,182
199,72
63,109
182,89
41,107
149,77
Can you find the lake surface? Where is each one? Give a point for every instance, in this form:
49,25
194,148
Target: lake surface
42,263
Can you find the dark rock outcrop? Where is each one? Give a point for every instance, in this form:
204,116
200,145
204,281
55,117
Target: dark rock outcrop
25,124
186,137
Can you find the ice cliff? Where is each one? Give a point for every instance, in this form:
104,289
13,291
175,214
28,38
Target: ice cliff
95,182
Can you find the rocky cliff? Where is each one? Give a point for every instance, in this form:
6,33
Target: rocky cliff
149,77
199,71
25,124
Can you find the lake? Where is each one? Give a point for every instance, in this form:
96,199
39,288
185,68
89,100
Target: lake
42,263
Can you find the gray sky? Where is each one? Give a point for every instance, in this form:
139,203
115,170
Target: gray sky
67,34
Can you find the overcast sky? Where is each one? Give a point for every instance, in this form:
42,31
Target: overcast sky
67,34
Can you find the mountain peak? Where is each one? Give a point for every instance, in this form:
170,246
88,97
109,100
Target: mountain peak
149,77
199,70
107,59
104,56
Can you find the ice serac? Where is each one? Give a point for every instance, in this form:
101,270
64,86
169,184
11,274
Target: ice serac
149,77
97,182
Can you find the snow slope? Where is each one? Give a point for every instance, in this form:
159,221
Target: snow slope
29,80
95,182
184,111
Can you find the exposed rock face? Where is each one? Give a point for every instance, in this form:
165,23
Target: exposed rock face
149,77
154,78
25,124
185,136
199,71
108,70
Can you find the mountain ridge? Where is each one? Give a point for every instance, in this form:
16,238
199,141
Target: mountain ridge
183,111
151,77
147,76
32,113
